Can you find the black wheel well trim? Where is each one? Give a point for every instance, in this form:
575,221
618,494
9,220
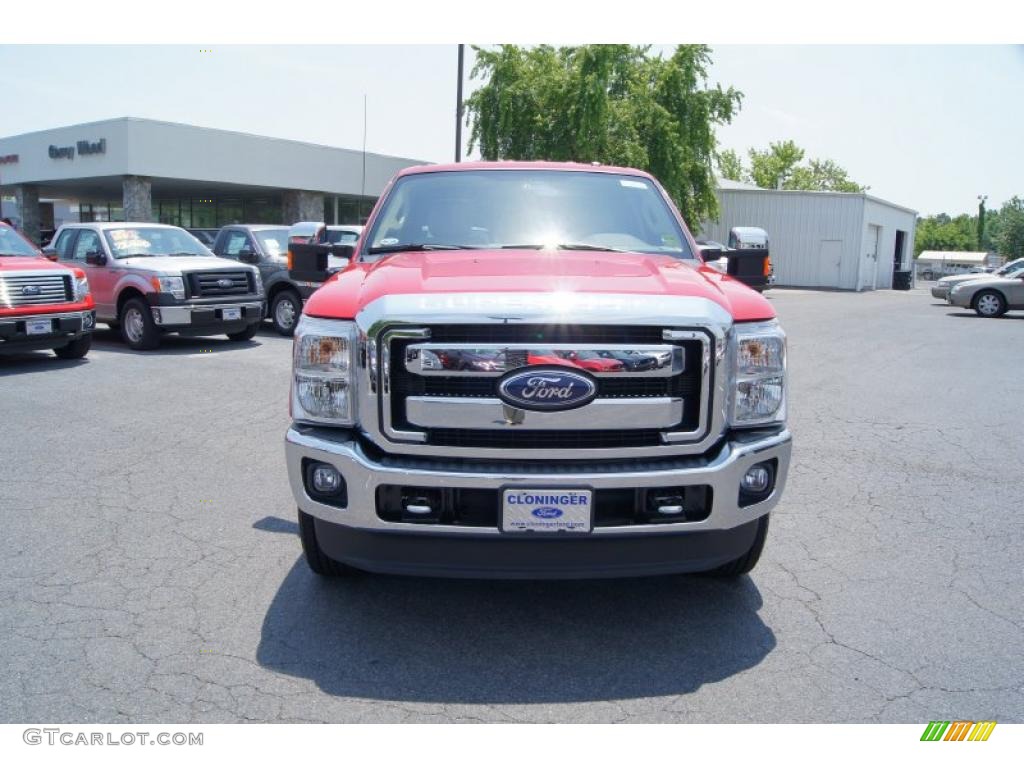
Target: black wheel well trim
127,293
280,287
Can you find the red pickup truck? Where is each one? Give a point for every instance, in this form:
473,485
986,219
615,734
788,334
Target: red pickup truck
42,305
403,458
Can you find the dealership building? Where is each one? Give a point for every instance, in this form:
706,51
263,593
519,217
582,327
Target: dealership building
131,169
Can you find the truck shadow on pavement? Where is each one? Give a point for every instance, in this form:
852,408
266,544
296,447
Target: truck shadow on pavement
109,340
29,362
479,642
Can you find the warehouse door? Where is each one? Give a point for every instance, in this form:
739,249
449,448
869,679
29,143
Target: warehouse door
869,262
830,262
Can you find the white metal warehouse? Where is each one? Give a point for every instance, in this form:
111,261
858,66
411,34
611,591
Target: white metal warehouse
850,241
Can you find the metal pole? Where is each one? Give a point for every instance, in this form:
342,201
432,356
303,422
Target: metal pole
362,188
458,108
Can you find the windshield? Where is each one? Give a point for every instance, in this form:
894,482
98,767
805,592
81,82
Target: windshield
153,241
13,244
573,210
1010,269
274,242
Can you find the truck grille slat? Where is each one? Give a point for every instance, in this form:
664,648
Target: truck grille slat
221,283
43,289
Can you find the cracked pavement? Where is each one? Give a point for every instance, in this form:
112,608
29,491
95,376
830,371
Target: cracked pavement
151,569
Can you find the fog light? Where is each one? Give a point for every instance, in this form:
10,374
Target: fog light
156,316
87,320
326,479
756,479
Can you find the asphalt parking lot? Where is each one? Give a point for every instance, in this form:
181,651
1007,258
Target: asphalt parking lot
151,569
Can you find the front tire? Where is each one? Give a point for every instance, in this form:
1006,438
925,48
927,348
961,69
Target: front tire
137,327
284,312
319,563
745,563
76,349
990,304
246,335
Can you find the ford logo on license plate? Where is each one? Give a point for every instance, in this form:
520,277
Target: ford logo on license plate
547,389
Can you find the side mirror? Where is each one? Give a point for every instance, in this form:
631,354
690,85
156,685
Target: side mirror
710,254
96,258
720,265
50,253
343,251
249,256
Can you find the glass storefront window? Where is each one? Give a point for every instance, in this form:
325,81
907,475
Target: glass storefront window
204,212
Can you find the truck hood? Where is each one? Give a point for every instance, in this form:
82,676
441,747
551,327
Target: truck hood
34,263
175,265
532,271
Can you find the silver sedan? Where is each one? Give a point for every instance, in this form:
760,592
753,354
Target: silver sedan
990,296
942,288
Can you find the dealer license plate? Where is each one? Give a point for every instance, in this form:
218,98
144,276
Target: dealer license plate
231,313
38,327
548,510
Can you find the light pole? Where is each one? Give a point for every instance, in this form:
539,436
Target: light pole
458,108
981,221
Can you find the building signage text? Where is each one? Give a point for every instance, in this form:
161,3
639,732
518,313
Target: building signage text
82,147
8,159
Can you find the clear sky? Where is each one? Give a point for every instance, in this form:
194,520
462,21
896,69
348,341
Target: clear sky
927,127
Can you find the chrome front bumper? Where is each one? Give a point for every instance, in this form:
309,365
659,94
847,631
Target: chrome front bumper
721,470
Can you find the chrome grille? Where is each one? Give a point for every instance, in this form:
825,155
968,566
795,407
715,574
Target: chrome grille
222,283
665,398
29,290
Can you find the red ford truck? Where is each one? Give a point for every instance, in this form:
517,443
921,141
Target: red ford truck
42,305
524,463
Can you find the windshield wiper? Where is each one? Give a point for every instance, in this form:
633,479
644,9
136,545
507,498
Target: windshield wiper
420,247
563,247
184,253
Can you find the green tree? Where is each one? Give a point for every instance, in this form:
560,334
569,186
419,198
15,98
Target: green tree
942,233
824,176
613,104
730,166
773,167
1011,229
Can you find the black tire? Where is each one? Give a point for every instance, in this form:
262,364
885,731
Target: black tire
745,563
279,312
318,562
246,335
75,349
136,336
984,300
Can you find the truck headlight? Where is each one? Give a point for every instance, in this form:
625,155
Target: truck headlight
172,285
759,375
259,280
323,371
81,286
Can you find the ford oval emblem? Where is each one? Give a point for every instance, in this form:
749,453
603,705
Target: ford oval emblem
224,283
547,513
546,389
30,290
